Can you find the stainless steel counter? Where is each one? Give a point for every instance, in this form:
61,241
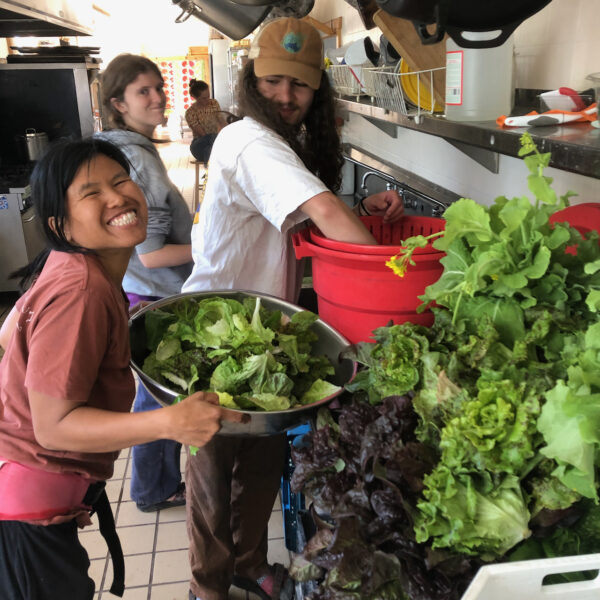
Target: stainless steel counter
574,148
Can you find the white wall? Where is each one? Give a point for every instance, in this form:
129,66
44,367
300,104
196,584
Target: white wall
144,27
436,160
352,25
554,48
558,46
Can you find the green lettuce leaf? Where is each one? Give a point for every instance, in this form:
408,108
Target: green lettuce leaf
227,400
466,514
259,357
318,390
570,424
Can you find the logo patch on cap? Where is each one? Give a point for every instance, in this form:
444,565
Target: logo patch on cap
292,42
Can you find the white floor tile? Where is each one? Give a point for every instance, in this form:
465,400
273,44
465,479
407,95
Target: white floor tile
137,539
120,466
127,490
278,553
96,571
172,536
171,567
130,514
94,543
170,591
176,513
113,490
137,571
276,525
136,593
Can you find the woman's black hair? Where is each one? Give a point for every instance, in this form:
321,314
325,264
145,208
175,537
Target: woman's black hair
50,180
196,87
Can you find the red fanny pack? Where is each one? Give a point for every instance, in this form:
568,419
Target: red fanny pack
29,494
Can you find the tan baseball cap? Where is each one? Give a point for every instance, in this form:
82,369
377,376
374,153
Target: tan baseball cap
289,47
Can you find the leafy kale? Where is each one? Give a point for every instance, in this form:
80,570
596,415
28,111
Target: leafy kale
364,468
476,439
254,358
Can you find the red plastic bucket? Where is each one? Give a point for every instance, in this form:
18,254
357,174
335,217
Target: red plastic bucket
389,236
356,292
584,217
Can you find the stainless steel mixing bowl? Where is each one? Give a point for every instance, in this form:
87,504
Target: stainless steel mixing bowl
330,343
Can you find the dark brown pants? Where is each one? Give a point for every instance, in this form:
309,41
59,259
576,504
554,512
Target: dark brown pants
231,487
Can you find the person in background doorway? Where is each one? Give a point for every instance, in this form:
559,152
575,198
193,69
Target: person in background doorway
268,173
134,100
205,118
66,385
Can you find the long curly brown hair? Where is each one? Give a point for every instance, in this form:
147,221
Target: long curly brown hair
316,141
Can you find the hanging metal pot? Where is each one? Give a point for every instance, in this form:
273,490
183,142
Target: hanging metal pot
255,2
421,11
291,8
456,17
233,20
282,8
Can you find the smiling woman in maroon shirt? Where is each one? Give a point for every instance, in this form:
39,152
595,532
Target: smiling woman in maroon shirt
65,384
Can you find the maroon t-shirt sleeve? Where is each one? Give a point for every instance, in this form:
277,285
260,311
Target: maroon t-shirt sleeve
67,343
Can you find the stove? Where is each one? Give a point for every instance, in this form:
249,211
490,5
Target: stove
54,54
14,179
21,236
90,61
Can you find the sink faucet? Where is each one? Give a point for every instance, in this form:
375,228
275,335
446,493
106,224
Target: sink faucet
390,184
363,183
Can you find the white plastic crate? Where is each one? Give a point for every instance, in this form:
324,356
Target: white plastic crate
523,580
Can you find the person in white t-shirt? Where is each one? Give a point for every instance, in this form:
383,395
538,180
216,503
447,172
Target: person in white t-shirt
268,173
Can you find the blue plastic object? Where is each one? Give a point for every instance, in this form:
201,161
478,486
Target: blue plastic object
292,503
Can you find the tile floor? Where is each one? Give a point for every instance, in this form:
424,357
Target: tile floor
177,158
155,544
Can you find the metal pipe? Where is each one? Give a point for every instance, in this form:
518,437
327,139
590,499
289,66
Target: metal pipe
363,183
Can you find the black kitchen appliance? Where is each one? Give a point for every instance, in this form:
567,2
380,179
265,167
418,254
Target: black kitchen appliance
56,97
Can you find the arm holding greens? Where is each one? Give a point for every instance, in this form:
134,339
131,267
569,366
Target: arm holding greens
59,424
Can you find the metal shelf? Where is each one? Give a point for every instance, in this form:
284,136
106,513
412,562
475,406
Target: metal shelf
574,148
